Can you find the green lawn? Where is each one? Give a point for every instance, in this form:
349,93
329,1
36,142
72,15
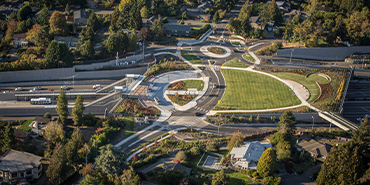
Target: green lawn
191,58
309,83
235,63
237,178
235,43
129,126
253,91
25,126
300,167
249,57
194,84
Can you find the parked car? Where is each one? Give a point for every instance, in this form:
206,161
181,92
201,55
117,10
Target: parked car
50,89
18,89
64,87
5,92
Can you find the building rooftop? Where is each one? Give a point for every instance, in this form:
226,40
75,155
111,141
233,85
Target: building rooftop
70,41
19,36
176,167
14,161
177,27
250,151
42,120
20,134
81,14
315,147
12,5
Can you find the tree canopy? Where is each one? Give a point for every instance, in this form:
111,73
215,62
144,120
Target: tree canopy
57,169
220,178
58,24
287,123
62,105
267,163
110,160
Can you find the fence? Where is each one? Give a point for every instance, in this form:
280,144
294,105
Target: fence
96,66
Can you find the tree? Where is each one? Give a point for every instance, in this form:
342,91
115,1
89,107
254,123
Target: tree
73,145
52,53
220,178
181,156
57,169
267,163
132,39
87,51
276,138
124,3
47,115
130,177
287,123
215,17
54,132
65,54
213,147
66,10
8,138
5,41
114,23
2,130
58,24
283,151
156,29
61,107
21,27
90,180
24,12
78,110
246,11
274,13
144,12
144,34
87,34
110,161
235,141
39,34
43,18
93,21
87,169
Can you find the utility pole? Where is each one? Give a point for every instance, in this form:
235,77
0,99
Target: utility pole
291,55
117,59
313,122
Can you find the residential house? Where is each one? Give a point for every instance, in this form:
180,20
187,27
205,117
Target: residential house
19,40
324,8
21,135
282,5
247,155
149,21
92,3
12,5
198,12
256,22
303,15
177,30
80,17
1,34
37,14
316,149
39,124
176,166
70,41
16,166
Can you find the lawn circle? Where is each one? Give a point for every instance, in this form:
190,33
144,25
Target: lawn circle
216,50
209,52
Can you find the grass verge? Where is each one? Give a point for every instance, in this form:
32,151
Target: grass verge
248,57
195,84
309,83
191,58
253,91
235,63
25,126
129,126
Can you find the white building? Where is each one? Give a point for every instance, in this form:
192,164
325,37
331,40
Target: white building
247,155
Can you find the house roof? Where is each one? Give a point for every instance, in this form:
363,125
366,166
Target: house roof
19,36
20,134
14,161
177,27
70,41
42,120
204,5
315,147
255,19
250,151
176,167
81,14
324,8
150,19
12,4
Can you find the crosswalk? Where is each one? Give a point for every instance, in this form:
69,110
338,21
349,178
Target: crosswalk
201,109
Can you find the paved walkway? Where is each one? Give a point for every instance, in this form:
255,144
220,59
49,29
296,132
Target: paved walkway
193,42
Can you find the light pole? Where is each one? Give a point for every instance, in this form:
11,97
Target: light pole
291,55
313,122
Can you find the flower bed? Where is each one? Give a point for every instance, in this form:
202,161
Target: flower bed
326,91
216,50
181,99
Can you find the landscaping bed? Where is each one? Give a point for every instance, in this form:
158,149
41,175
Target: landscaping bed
253,91
181,99
248,57
216,50
235,43
235,63
326,91
186,84
172,64
131,106
191,58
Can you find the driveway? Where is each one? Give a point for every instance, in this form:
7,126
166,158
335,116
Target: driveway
303,179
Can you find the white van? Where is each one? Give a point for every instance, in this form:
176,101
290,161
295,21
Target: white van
97,86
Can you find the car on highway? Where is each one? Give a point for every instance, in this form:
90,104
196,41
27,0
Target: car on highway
97,86
38,88
5,92
50,89
64,87
357,87
198,114
360,119
367,116
33,90
18,89
237,51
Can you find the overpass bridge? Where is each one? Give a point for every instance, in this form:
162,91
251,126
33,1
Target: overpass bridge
338,120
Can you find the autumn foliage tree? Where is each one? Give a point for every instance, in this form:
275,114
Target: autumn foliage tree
39,34
236,140
58,24
54,132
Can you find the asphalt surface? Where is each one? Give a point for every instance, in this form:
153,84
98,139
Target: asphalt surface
357,101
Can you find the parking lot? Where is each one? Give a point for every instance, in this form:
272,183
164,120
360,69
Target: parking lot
357,100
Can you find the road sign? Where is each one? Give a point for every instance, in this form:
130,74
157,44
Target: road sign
219,101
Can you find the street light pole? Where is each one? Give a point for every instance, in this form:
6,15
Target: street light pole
291,55
313,122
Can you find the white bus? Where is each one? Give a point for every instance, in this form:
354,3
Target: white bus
40,101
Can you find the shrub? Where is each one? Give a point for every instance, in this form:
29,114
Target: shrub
213,147
181,156
47,115
307,156
165,20
250,172
140,114
195,151
250,118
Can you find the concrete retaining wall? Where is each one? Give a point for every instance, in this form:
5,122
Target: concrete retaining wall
65,73
95,66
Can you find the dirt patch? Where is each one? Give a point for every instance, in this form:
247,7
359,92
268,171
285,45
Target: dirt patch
326,91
